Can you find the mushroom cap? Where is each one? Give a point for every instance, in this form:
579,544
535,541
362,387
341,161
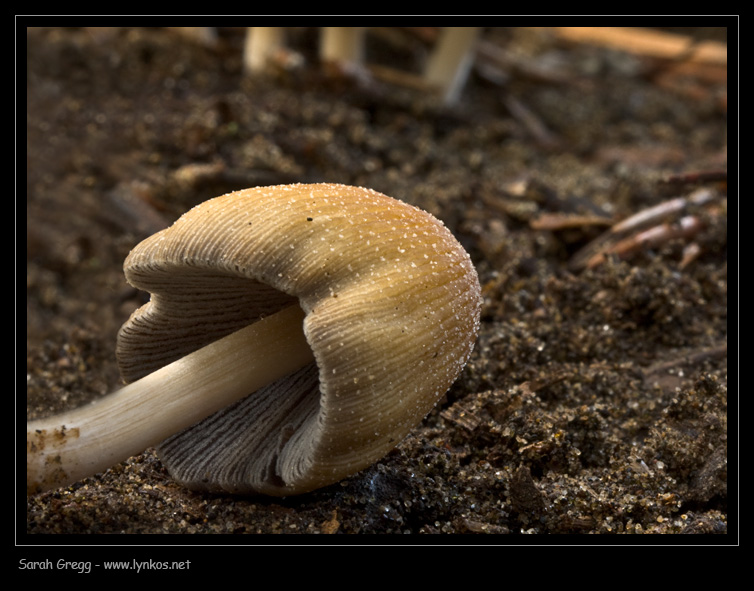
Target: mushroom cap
392,304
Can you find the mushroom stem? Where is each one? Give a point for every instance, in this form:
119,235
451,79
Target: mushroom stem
260,45
342,44
65,448
451,61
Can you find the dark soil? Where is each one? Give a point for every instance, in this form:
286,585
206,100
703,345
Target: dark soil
596,398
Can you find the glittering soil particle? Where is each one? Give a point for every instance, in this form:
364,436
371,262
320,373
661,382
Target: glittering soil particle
595,400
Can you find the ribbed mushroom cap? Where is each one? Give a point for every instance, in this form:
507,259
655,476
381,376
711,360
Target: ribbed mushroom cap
392,304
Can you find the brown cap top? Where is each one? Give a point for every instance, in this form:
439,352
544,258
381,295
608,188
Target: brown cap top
392,304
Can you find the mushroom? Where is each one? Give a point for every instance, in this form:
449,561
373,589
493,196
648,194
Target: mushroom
295,334
338,45
445,73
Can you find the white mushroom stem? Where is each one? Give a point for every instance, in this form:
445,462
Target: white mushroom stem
65,448
451,61
342,44
260,45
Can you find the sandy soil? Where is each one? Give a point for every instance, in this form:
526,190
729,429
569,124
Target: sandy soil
596,398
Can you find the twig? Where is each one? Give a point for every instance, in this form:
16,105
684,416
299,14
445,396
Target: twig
692,358
648,42
648,227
